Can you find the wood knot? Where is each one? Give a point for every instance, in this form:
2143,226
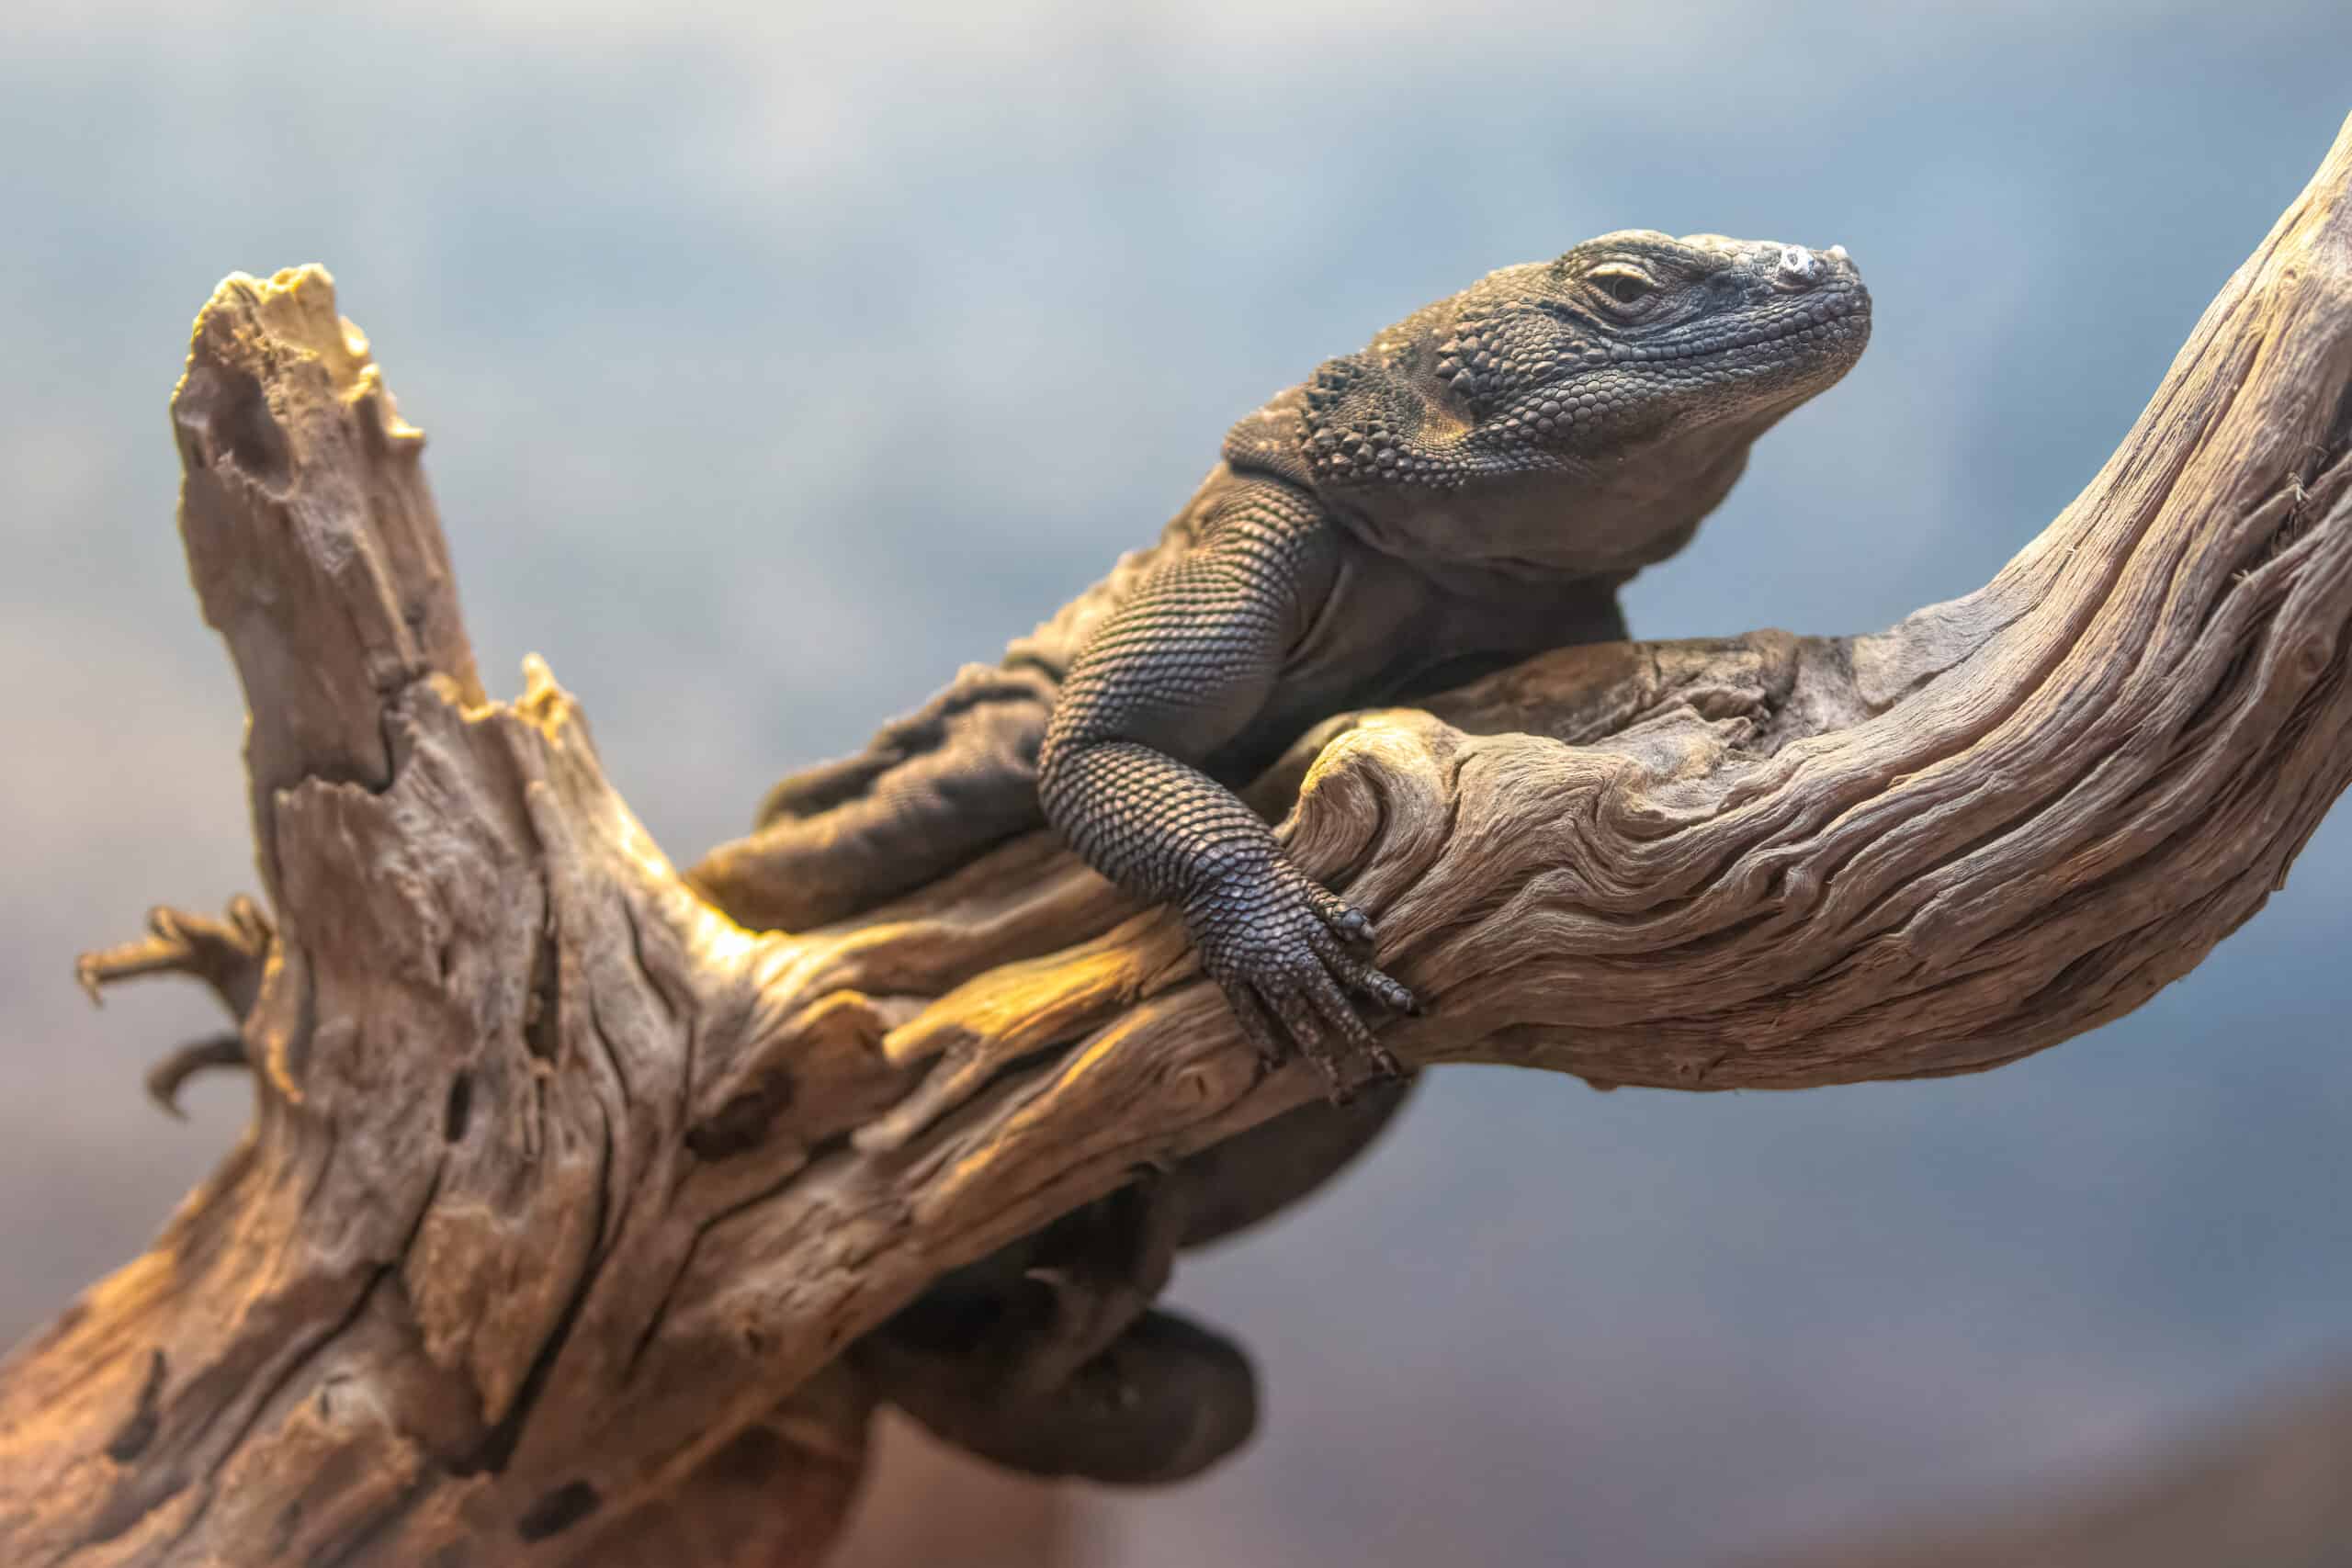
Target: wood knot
743,1121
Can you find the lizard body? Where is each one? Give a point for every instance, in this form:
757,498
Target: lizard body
1470,489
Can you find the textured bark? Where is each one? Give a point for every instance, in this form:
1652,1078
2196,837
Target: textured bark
562,1192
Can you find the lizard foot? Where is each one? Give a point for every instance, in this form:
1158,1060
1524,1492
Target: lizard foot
1283,949
229,955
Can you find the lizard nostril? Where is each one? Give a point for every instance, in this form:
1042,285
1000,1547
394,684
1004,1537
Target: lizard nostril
1798,264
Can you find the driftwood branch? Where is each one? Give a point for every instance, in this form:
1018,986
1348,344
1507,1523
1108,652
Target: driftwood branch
563,1193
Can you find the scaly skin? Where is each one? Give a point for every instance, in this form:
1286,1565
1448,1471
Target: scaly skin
1468,491
1556,425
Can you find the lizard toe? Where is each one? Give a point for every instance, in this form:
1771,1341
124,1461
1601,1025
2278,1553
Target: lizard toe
1358,970
1257,1024
1390,992
1300,1019
1341,1014
1351,922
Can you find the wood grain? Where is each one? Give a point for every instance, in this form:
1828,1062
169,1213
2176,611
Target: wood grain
563,1193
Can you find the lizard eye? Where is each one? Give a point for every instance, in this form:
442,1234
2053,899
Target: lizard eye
1623,285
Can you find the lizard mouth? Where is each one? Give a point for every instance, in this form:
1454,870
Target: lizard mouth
1823,322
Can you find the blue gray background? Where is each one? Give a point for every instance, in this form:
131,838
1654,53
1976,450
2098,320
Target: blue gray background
778,359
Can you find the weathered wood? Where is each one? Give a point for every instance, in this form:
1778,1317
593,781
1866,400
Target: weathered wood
560,1183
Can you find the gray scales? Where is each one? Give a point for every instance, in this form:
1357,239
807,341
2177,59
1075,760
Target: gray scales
1470,489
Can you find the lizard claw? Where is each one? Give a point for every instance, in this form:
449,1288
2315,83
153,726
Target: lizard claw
1280,948
226,1049
230,954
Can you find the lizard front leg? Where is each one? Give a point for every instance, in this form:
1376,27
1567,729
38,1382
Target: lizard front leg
1181,670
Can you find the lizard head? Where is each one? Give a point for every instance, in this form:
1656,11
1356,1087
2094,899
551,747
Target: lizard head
1576,416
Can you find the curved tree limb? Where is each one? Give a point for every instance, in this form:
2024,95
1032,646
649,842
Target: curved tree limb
563,1193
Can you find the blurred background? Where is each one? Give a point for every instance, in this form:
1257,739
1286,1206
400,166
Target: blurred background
776,359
